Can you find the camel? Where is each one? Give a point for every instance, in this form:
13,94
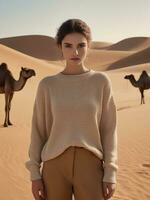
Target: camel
8,85
143,83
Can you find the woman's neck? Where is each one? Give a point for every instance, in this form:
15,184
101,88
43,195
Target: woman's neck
75,69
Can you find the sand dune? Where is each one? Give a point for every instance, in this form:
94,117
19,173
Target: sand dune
136,68
101,59
140,57
38,46
133,139
131,44
100,45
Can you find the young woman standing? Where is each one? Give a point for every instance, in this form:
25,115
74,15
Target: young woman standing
74,126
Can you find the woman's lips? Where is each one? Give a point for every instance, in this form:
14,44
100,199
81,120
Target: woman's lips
75,58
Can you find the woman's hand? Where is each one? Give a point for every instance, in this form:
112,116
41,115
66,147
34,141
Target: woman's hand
108,189
38,189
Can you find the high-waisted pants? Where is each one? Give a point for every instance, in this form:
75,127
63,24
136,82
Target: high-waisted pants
76,173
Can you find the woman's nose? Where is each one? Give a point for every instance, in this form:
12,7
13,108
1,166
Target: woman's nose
75,52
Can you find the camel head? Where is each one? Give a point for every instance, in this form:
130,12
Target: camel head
27,72
130,76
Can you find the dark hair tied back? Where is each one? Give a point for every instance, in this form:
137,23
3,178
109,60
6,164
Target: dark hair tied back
71,26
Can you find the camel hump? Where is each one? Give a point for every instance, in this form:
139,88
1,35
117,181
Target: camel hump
3,66
144,73
4,73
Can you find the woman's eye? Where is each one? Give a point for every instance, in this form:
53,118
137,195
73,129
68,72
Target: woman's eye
67,46
82,45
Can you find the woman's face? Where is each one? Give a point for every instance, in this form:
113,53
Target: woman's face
74,45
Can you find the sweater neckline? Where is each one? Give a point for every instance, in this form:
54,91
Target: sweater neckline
68,76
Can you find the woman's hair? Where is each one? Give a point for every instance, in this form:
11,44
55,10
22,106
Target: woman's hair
72,26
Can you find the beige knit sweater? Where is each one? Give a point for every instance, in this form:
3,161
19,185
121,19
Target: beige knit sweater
74,110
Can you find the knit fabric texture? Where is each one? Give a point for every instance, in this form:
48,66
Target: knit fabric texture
74,110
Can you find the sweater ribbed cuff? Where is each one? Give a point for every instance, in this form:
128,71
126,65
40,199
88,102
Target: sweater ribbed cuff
110,175
34,171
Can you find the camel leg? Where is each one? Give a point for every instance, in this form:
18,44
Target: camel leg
7,96
142,96
141,99
11,96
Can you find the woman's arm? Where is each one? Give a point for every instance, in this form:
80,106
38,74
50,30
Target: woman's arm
38,134
108,130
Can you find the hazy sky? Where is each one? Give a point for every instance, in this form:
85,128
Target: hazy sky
109,20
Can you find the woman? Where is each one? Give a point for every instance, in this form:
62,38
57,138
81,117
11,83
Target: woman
74,126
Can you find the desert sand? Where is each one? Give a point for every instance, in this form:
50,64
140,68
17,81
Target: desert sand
131,55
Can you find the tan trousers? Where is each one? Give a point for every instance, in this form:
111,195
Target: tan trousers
77,171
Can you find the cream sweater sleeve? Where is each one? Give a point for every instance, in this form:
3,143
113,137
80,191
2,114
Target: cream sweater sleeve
108,129
38,134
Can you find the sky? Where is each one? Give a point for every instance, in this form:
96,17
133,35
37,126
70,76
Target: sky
109,20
